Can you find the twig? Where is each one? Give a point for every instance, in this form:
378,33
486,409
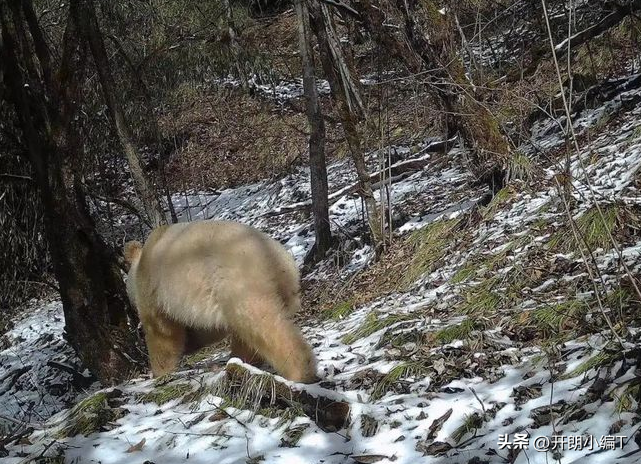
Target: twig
35,456
221,409
15,435
16,177
396,172
479,400
196,434
20,422
342,6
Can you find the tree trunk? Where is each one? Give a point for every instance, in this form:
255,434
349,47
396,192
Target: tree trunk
87,23
317,163
350,108
234,47
99,322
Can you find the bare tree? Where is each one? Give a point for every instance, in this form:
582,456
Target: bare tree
317,162
45,99
350,107
89,29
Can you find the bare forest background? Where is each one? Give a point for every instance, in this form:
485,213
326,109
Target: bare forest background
109,109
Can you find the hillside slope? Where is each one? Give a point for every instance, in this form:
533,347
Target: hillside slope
501,320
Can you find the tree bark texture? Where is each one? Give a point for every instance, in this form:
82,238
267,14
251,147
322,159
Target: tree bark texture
350,107
317,161
99,322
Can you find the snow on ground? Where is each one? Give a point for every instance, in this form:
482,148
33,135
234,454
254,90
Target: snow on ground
280,92
424,196
285,90
39,372
452,401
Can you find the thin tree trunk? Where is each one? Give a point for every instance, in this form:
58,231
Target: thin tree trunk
350,108
99,322
317,162
162,158
90,31
234,46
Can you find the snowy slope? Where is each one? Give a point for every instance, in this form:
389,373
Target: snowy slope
37,367
410,400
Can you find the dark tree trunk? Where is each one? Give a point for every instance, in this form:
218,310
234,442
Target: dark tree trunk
99,322
317,162
87,24
350,108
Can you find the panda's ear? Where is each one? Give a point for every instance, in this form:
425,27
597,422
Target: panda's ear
132,252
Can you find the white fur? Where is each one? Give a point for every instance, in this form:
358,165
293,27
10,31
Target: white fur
220,275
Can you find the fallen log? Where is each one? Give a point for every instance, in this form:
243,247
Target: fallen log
618,14
321,406
611,18
389,175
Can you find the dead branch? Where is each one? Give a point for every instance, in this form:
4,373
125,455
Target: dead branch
396,173
607,22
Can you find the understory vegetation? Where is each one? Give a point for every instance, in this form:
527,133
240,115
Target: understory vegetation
458,183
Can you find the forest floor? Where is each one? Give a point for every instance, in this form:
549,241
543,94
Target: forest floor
484,327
